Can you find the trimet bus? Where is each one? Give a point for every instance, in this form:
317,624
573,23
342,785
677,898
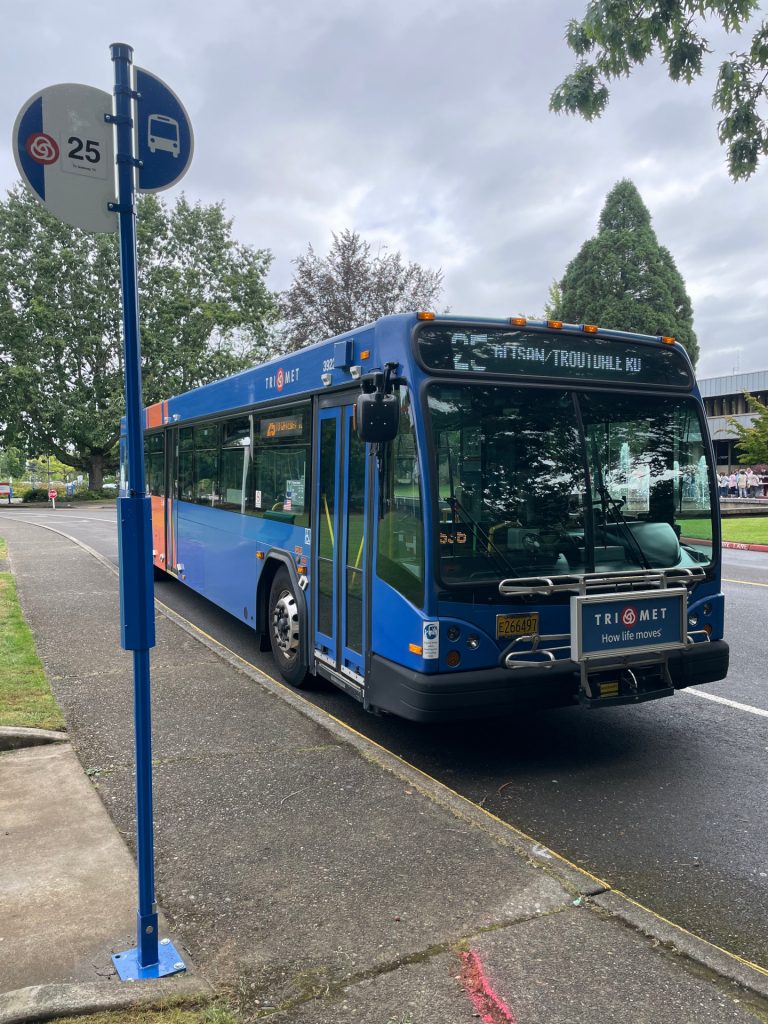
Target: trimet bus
450,517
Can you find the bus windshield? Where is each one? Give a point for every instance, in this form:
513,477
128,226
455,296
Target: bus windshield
548,482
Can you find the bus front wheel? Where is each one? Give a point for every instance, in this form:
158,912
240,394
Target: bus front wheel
285,630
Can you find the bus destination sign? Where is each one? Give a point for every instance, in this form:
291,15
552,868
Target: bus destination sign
559,356
281,427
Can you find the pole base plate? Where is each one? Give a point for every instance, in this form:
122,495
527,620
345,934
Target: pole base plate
169,962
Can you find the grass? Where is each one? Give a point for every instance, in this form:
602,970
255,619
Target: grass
167,1014
740,530
25,694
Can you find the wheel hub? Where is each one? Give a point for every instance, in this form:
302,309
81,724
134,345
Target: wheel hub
285,624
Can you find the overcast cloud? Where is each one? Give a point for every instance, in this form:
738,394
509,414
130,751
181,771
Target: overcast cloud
423,124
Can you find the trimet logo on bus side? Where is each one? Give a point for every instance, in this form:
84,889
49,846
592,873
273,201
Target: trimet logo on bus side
281,378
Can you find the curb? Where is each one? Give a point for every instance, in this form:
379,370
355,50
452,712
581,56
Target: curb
15,737
44,1002
735,546
727,965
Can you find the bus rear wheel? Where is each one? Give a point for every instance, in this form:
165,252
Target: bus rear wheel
285,630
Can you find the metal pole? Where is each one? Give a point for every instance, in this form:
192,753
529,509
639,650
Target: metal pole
134,515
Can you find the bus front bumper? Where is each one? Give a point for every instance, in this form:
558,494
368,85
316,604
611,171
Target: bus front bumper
447,696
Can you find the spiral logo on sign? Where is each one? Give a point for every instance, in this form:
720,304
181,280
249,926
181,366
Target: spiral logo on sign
42,148
629,616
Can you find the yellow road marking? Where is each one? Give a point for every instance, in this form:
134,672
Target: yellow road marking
747,583
712,945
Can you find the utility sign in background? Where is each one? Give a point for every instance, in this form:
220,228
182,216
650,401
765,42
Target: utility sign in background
164,141
65,152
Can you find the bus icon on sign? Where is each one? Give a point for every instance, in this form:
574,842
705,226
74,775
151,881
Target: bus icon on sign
163,133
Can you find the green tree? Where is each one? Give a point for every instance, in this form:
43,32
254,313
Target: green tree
623,278
554,305
12,463
619,35
205,313
43,468
753,441
350,287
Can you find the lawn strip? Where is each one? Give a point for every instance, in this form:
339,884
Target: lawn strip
739,530
159,1014
25,694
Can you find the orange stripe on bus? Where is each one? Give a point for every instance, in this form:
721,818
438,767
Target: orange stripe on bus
155,415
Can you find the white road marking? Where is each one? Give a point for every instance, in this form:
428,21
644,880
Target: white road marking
728,703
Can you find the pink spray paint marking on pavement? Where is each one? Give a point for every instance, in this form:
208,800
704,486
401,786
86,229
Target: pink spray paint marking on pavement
489,1005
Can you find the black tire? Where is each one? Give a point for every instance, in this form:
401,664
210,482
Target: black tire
286,630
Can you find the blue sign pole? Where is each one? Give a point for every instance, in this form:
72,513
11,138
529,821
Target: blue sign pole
151,959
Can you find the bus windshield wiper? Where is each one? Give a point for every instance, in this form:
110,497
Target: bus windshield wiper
456,506
610,504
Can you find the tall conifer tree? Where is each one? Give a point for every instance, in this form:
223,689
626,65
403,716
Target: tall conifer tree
623,278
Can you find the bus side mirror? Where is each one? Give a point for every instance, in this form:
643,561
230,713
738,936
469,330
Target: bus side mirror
377,417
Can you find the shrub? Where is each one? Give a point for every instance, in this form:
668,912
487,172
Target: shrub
86,495
36,494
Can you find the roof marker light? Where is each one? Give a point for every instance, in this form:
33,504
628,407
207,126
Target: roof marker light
424,315
590,328
555,324
518,321
365,355
668,340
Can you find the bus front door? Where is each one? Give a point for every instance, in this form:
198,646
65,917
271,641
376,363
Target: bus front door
339,592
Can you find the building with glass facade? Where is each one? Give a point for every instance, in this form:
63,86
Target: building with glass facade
724,398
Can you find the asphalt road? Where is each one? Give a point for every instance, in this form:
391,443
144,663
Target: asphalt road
664,801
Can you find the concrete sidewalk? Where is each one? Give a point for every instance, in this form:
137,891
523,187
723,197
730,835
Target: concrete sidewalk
312,876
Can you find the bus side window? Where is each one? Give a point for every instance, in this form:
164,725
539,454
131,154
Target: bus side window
154,464
235,469
205,481
281,465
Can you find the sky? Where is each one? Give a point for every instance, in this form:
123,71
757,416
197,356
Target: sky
424,126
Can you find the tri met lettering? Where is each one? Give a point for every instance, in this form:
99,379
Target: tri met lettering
614,618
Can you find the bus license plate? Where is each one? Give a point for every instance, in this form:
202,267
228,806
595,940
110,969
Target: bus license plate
516,625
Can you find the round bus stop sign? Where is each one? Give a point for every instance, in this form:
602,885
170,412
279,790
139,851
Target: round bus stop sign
164,139
65,153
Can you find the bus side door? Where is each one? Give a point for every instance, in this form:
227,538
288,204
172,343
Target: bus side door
339,577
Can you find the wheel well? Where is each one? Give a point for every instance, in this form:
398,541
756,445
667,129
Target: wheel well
271,567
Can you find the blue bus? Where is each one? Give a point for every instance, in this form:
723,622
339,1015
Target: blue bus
450,517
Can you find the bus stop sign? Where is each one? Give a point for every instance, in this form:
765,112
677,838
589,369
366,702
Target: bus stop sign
65,153
164,140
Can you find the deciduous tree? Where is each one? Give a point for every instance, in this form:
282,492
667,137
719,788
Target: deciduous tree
349,287
623,278
615,36
12,463
753,441
205,312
